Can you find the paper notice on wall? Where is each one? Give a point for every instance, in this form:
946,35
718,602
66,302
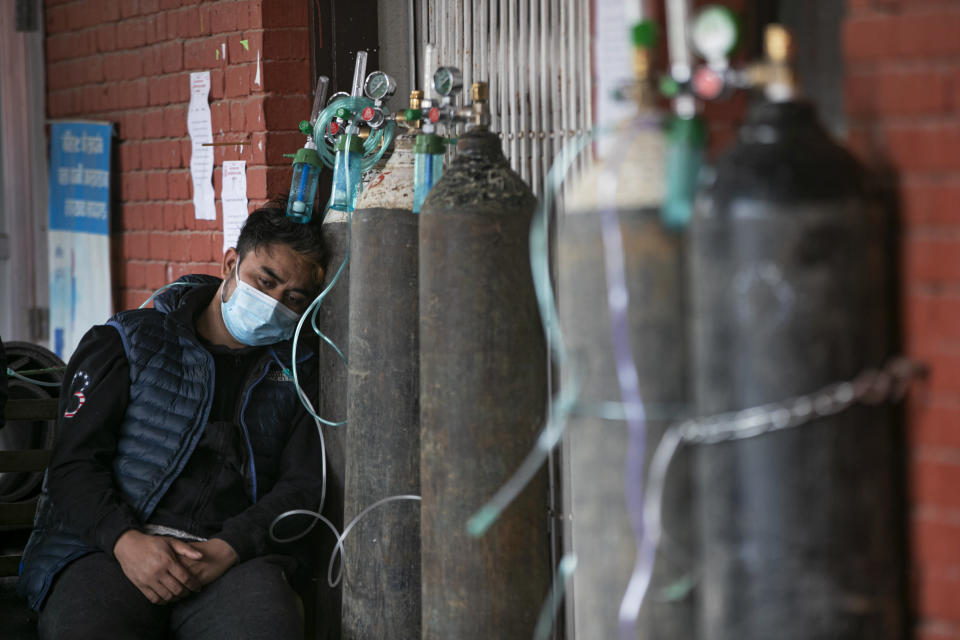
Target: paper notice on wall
233,195
200,127
612,66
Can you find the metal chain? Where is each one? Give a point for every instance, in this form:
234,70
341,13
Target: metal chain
871,387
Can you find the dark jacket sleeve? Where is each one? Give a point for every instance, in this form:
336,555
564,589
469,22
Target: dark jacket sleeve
93,400
298,486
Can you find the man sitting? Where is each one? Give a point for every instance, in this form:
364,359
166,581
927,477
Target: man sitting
181,438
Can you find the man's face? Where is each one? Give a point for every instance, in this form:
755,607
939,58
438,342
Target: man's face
278,271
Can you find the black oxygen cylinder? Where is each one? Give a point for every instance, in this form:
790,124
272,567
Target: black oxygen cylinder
800,529
381,593
333,319
595,451
483,396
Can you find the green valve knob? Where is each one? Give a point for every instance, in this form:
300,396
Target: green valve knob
344,114
306,128
644,34
410,115
669,87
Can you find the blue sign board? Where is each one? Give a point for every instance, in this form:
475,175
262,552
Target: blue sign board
80,176
80,291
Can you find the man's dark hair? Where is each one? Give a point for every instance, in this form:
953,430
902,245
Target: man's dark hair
271,225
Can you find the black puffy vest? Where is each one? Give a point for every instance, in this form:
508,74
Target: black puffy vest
171,390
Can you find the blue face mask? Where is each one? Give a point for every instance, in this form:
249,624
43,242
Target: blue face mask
254,318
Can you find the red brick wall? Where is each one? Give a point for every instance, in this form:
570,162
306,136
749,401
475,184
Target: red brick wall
129,62
903,102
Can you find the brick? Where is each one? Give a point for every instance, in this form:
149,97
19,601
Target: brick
159,245
157,185
106,10
927,34
195,249
133,186
284,76
131,126
67,46
56,19
944,377
283,44
153,216
155,275
156,28
175,121
131,216
284,13
285,112
132,34
81,15
932,260
129,157
199,54
223,17
216,246
938,595
238,79
930,202
179,185
132,298
924,148
935,473
933,316
129,8
237,53
152,155
216,84
935,424
253,115
136,245
171,55
170,154
134,274
106,37
192,22
934,542
153,124
868,39
269,148
169,4
173,217
237,115
897,93
151,62
62,103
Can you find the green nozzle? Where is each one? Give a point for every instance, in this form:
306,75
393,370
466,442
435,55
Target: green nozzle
308,156
356,143
429,143
644,34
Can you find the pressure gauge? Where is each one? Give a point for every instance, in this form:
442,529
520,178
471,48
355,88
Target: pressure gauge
714,33
379,86
448,81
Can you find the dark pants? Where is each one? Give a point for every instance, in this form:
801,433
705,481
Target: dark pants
93,599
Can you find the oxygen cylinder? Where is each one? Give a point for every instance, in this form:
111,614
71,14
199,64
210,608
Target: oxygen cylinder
483,388
333,320
381,593
599,529
801,529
